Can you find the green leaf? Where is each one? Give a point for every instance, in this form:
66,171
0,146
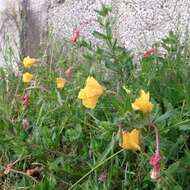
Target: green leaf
100,35
73,134
163,117
104,10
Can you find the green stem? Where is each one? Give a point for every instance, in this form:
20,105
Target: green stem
97,166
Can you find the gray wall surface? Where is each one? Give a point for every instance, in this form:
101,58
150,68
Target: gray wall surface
139,23
10,31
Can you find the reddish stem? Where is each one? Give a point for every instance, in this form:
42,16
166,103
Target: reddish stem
156,137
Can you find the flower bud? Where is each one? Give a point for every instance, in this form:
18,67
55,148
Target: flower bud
25,99
69,73
26,124
8,168
75,36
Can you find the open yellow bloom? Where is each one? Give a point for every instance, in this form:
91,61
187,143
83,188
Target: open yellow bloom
90,94
28,62
143,103
131,140
60,83
27,77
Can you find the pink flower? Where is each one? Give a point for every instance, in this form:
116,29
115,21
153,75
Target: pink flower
149,52
8,168
75,36
155,163
155,159
69,73
26,124
25,99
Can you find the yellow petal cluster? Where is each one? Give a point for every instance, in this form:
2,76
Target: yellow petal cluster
28,62
131,140
60,83
143,103
27,77
90,93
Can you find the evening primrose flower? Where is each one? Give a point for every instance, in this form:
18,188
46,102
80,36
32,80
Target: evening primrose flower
27,77
28,62
60,83
143,103
90,93
131,140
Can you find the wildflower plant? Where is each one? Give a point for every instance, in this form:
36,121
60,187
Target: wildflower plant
85,126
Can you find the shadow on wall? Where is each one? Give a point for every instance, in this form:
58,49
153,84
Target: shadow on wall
35,26
9,32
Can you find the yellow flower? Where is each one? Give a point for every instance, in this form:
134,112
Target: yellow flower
90,93
143,103
60,83
131,140
28,62
27,77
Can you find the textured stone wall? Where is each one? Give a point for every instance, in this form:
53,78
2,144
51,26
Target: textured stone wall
36,26
65,16
10,30
142,22
139,23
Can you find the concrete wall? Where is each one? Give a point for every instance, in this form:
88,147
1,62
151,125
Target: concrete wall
139,23
10,30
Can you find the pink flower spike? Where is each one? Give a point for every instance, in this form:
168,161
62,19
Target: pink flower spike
155,159
75,36
26,124
155,163
69,73
149,52
8,168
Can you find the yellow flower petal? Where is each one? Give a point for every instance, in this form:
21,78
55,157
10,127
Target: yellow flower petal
27,77
90,93
90,102
82,94
93,85
131,140
143,103
60,83
145,96
28,62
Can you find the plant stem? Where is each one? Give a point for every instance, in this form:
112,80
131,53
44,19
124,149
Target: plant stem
97,166
22,173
